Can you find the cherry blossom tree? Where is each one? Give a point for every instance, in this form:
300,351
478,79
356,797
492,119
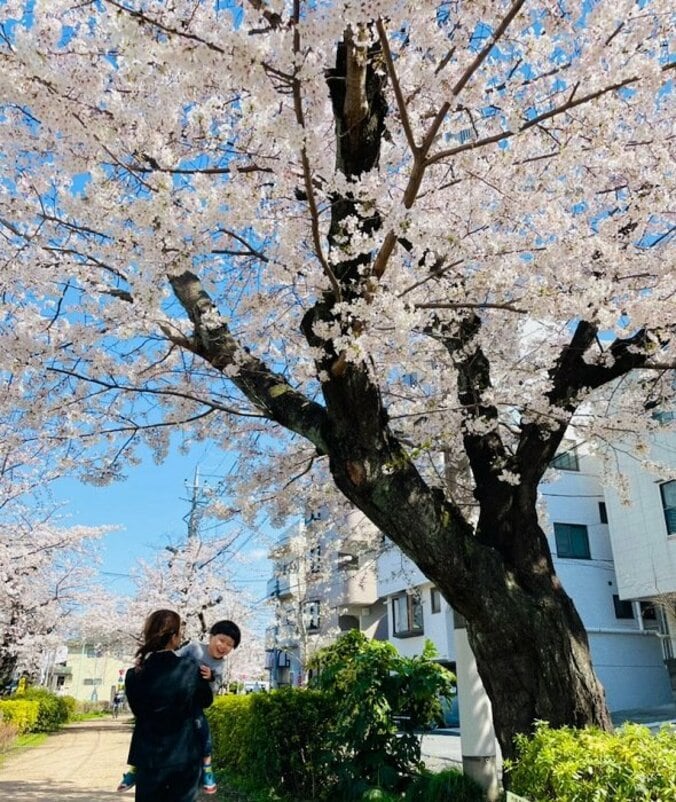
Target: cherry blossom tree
46,573
348,237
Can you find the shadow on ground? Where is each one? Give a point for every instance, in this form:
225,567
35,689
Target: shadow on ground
38,791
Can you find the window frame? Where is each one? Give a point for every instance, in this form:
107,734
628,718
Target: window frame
603,512
312,616
435,600
668,509
624,609
571,528
413,614
566,460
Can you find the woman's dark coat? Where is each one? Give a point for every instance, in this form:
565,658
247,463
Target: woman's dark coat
165,695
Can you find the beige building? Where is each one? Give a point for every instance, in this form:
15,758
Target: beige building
89,672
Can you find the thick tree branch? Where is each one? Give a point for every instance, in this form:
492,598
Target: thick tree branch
266,389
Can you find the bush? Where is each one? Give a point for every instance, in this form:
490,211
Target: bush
71,704
274,739
53,711
376,693
20,714
378,795
450,785
568,765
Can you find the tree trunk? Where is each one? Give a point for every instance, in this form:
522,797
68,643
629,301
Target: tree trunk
530,645
7,667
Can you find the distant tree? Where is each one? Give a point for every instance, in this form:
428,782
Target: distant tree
46,572
345,238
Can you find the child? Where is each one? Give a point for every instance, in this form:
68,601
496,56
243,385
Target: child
224,636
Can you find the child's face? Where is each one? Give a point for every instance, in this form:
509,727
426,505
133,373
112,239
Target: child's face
220,646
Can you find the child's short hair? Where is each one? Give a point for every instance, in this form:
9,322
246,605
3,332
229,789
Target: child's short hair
227,628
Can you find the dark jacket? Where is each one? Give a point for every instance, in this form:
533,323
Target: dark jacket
165,695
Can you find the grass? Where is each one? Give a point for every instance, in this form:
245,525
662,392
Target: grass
21,742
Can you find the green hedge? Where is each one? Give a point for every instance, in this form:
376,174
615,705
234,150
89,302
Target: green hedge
22,713
274,739
53,711
568,765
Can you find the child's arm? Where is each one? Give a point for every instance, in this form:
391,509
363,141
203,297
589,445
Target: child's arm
206,673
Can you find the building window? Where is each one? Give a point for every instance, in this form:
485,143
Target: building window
407,615
603,512
315,560
92,681
311,617
572,540
435,600
668,492
567,460
623,608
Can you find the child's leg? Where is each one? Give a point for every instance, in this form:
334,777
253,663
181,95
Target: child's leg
128,779
208,779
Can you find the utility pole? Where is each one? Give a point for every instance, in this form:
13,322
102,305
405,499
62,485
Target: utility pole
197,503
477,734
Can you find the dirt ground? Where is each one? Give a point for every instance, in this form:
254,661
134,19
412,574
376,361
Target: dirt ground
81,763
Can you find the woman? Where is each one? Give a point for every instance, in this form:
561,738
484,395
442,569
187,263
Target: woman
164,692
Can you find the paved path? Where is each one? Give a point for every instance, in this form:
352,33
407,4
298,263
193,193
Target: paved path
81,763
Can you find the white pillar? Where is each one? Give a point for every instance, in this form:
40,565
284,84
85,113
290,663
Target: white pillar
477,736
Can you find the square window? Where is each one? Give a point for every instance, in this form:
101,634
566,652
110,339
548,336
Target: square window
572,540
407,614
668,493
567,459
435,600
623,608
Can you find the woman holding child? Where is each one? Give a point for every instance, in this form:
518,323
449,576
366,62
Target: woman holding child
164,692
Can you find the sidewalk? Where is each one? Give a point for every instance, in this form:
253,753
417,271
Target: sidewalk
81,763
653,717
441,748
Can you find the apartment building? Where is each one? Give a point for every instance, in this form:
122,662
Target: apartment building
323,583
643,526
629,637
89,672
614,560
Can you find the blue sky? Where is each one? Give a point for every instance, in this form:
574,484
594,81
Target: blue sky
150,507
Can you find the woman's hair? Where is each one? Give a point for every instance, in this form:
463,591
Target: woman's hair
158,630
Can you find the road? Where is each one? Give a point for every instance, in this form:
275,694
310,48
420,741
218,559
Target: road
81,763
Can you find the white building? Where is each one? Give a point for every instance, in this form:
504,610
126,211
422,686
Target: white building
644,544
626,638
324,583
613,561
88,672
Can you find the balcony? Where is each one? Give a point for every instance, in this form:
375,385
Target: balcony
282,587
354,586
285,541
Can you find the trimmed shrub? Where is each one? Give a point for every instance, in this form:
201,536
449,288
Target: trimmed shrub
53,711
21,714
70,703
589,765
274,739
449,785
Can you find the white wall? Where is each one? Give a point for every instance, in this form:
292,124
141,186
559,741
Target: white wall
631,669
645,556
